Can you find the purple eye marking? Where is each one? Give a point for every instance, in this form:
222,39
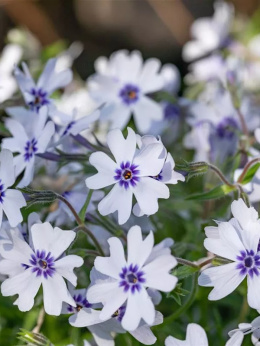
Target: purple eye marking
68,128
81,303
2,192
249,263
227,128
30,148
40,99
41,263
119,314
127,174
129,94
132,278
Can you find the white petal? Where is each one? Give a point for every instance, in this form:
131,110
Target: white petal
84,122
122,149
147,192
18,131
119,116
20,252
196,335
6,168
45,137
12,203
54,293
150,160
110,294
26,285
139,305
225,280
85,317
106,171
171,341
157,273
28,172
149,79
145,112
102,334
119,199
138,250
65,267
144,334
55,240
112,266
236,339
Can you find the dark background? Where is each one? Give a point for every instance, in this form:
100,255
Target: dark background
155,27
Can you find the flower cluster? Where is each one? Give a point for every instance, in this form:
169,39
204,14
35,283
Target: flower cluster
91,197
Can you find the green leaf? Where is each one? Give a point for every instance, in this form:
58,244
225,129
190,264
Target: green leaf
178,293
250,174
217,192
183,272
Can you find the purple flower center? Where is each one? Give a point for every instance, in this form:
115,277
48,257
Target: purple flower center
119,314
227,128
42,264
129,94
68,128
81,303
40,99
2,192
127,174
132,278
249,263
30,148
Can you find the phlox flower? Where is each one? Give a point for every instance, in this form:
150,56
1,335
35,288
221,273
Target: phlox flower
11,200
248,328
122,84
38,94
130,174
238,242
216,126
41,263
209,33
87,315
28,142
196,336
129,279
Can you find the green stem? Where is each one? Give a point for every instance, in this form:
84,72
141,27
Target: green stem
75,214
188,302
186,262
91,235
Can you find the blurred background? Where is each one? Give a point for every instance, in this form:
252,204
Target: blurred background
155,27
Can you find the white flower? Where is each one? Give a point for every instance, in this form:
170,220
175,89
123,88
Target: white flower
87,315
248,328
209,33
28,143
11,201
73,125
38,95
10,56
216,126
237,241
130,174
40,264
122,84
195,336
127,280
167,175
